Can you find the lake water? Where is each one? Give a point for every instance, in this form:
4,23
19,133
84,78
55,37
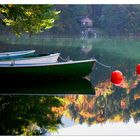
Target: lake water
78,107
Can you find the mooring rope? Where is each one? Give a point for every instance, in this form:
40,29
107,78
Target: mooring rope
104,65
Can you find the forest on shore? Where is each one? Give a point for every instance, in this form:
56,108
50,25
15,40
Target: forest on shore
109,19
113,20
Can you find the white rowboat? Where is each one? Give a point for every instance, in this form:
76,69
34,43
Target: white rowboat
16,54
52,58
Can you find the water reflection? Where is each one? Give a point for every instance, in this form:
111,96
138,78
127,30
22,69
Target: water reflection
37,115
29,115
110,104
106,129
114,104
47,87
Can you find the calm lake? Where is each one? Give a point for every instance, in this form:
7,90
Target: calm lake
79,107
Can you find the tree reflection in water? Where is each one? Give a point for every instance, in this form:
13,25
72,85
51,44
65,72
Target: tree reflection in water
36,115
29,115
113,104
40,113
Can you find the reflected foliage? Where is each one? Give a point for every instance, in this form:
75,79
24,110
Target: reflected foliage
29,115
113,104
117,106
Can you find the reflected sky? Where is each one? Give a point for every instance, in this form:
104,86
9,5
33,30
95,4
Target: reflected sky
108,128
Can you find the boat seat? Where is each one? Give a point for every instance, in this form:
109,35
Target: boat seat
12,63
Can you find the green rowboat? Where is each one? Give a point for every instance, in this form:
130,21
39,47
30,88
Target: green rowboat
61,69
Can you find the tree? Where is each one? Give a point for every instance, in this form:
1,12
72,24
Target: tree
122,18
28,18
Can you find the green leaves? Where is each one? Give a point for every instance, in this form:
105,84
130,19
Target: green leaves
29,19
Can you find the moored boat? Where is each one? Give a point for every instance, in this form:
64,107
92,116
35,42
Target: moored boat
16,54
61,69
52,58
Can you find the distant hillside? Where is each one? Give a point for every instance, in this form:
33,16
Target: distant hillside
112,19
117,20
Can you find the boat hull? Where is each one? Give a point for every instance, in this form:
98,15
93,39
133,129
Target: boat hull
62,69
52,58
17,54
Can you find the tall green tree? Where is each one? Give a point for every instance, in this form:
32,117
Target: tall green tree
28,18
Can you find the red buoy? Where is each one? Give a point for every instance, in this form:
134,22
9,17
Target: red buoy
117,77
138,69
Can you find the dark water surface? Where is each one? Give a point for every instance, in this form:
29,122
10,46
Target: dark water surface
77,107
